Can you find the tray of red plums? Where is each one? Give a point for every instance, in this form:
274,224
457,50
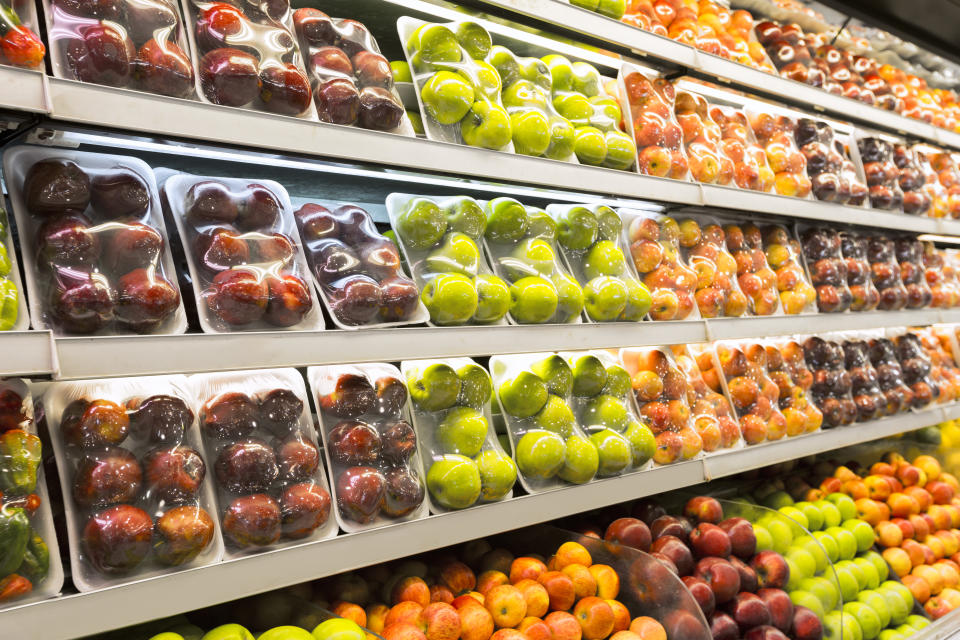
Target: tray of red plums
137,499
243,253
95,250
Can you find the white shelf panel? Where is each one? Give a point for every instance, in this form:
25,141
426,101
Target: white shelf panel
734,328
26,353
23,90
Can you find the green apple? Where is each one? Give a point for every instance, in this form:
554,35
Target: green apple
605,298
796,515
541,225
764,539
531,132
777,499
813,515
883,570
447,96
170,635
493,298
846,542
486,125
188,631
338,629
523,395
607,411
862,531
849,578
434,45
871,576
486,79
506,64
450,298
401,71
561,72
586,79
891,634
556,416
795,576
899,599
422,224
590,5
639,301
569,297
575,107
612,8
228,632
556,374
878,603
831,514
824,590
780,531
474,39
609,224
562,139
540,454
918,622
905,630
866,617
465,215
506,220
463,430
811,546
497,474
578,228
589,376
837,626
533,300
531,257
846,505
803,561
416,121
643,443
524,94
581,460
436,389
458,253
454,481
806,599
286,632
606,112
621,150
604,259
590,145
536,71
614,450
618,381
475,386
829,545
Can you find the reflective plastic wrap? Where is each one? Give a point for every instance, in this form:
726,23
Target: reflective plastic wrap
139,500
20,45
738,143
885,271
754,275
824,257
710,412
941,180
794,383
785,256
941,275
370,445
909,253
916,366
880,171
864,380
702,140
944,370
13,302
911,181
703,245
853,247
451,408
883,357
648,102
247,267
93,242
833,175
831,389
775,132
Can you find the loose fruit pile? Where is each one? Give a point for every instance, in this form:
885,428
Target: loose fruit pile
776,134
655,128
824,250
19,44
859,274
718,293
783,255
738,143
701,140
9,293
655,244
832,173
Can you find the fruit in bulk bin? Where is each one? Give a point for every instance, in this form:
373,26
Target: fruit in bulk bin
739,144
754,275
658,136
718,294
832,173
909,253
782,251
655,249
853,249
19,44
776,134
712,417
701,140
940,274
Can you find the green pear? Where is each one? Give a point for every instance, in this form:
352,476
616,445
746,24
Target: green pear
437,387
531,132
498,473
487,80
463,430
621,150
533,300
569,297
457,254
286,632
639,301
524,94
541,225
506,64
589,376
556,416
618,382
493,298
506,220
401,71
422,224
524,395
536,71
562,139
605,298
474,39
604,259
540,454
609,223
454,481
537,255
435,45
228,632
607,411
586,79
614,450
578,228
464,214
590,145
476,388
643,443
447,97
581,460
605,112
450,298
561,72
486,125
575,107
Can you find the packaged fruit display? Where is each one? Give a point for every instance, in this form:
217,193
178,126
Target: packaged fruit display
710,412
581,95
881,172
823,251
885,271
794,383
702,140
940,274
916,367
784,256
463,460
20,45
247,56
457,90
661,391
853,248
655,242
833,175
370,445
883,357
943,368
864,380
30,566
590,238
649,103
94,243
831,389
750,169
357,270
754,275
137,496
352,82
775,132
138,45
524,253
909,253
911,180
271,485
247,268
941,180
13,304
703,245
439,239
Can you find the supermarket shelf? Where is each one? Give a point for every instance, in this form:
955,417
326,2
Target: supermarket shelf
79,615
819,323
946,628
23,90
26,353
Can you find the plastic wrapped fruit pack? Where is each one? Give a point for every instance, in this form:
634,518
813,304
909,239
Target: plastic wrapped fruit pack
522,245
271,486
943,166
139,44
916,367
30,566
20,45
864,381
942,205
661,391
784,256
750,169
883,357
357,269
940,275
833,175
13,304
134,477
439,239
458,92
710,412
94,244
776,134
944,370
822,252
465,464
911,179
248,57
586,99
801,414
831,389
648,102
853,247
591,238
248,271
755,277
702,141
352,83
881,172
885,271
703,244
370,446
909,253
655,242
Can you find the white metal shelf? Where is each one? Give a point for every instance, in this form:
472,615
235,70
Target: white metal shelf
26,353
23,90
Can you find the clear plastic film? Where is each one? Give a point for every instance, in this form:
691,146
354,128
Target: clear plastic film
911,180
853,249
357,270
756,279
775,132
824,257
718,293
880,171
909,253
738,143
352,82
441,241
370,445
885,271
785,256
864,380
941,185
944,369
916,366
648,102
95,249
833,175
13,303
883,357
258,435
592,241
710,412
702,141
831,389
801,414
940,275
139,501
451,408
248,269
20,45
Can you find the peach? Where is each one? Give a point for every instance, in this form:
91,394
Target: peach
526,568
584,584
951,480
376,615
508,634
536,597
950,540
648,628
889,534
921,495
441,593
507,605
931,576
595,617
458,576
936,546
564,626
951,577
929,465
870,511
918,587
533,628
608,581
490,579
350,611
901,505
476,623
560,589
899,560
915,550
403,631
877,487
572,553
411,589
621,615
921,528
